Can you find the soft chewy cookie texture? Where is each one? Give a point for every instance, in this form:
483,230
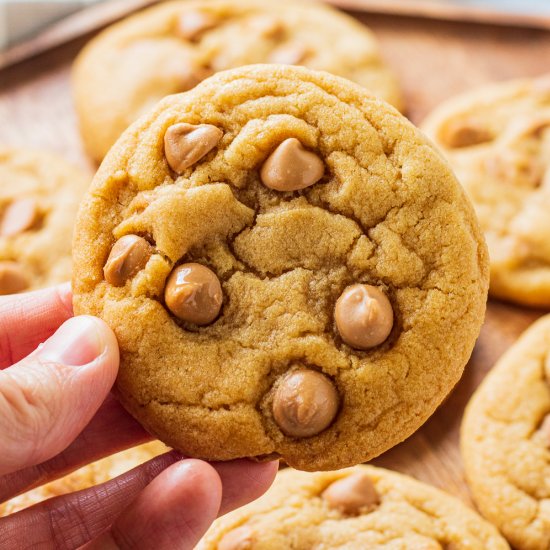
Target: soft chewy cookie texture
505,441
39,198
321,316
171,47
92,474
497,140
361,507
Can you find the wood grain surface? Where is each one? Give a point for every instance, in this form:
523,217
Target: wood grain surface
434,60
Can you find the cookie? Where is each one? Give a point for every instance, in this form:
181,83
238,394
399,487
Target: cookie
505,441
92,474
289,267
171,47
362,507
497,139
39,196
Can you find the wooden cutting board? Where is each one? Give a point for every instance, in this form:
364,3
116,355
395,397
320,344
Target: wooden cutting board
434,60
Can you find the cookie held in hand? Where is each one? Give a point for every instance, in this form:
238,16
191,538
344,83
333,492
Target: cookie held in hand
323,321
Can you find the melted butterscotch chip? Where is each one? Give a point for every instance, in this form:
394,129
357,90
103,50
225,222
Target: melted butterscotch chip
465,134
192,24
185,144
266,26
305,403
128,256
194,294
241,538
544,430
19,216
13,278
291,167
188,75
364,316
292,53
352,494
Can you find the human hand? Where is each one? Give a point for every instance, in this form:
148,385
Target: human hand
56,414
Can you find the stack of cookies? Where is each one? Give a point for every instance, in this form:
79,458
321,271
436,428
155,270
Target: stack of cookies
293,270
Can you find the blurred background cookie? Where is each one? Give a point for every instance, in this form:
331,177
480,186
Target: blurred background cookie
39,197
506,441
170,48
362,507
497,140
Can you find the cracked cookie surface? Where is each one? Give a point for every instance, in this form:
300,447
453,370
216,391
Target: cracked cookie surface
171,47
387,215
362,507
92,474
505,441
39,198
497,140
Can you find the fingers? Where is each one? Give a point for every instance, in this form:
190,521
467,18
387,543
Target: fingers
28,319
174,511
50,396
111,430
71,520
244,481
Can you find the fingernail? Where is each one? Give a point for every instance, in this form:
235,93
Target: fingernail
77,342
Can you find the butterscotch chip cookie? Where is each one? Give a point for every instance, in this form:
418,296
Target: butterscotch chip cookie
506,441
172,47
497,139
39,197
92,474
362,507
227,330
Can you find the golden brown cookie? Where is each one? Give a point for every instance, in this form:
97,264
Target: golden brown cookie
506,441
267,369
172,47
362,507
39,197
92,474
497,139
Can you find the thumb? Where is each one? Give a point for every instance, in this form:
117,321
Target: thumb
48,398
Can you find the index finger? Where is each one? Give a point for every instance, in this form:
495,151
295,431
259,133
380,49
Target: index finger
29,319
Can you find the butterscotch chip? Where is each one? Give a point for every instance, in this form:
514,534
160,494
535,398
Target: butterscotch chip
403,514
270,373
291,167
545,430
192,24
267,26
305,403
128,256
12,278
497,140
465,134
18,216
364,316
352,494
194,294
185,144
289,54
39,198
139,56
188,76
241,538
